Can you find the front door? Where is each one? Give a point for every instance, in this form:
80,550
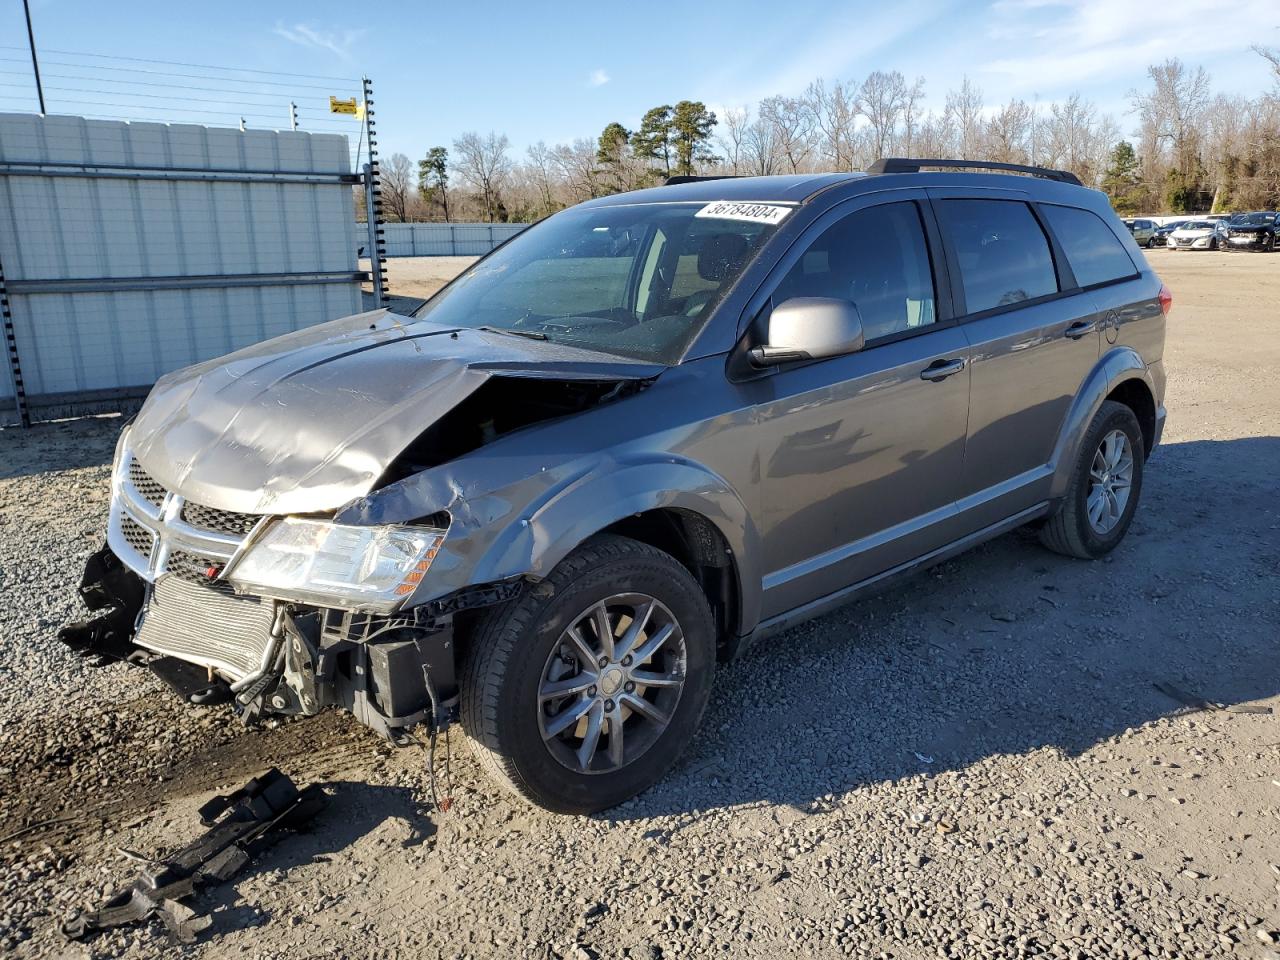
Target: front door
861,455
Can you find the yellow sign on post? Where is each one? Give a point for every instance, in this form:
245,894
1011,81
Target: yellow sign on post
344,106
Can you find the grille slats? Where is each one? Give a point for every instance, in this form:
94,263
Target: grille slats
150,491
222,521
137,536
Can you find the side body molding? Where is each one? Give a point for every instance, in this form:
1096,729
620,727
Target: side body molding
502,529
1113,368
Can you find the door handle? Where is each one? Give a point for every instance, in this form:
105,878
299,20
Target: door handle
939,370
1081,328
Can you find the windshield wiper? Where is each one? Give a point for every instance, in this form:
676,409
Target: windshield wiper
527,334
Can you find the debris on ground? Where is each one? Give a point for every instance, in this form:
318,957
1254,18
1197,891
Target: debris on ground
237,823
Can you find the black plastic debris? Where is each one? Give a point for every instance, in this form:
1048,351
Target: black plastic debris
238,823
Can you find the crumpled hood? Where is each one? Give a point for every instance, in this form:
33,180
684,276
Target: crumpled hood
308,421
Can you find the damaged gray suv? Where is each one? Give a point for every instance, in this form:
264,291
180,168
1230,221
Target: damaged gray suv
641,436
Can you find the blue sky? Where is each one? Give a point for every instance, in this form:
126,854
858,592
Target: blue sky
556,71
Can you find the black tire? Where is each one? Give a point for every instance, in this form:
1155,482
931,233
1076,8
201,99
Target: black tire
1069,531
510,649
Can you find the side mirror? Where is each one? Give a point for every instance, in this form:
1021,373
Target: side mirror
809,328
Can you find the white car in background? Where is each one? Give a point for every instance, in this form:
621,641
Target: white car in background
1197,235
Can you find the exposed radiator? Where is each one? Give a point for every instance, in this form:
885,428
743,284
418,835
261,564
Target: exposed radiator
205,625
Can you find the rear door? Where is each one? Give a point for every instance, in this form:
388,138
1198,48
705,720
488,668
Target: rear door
1033,337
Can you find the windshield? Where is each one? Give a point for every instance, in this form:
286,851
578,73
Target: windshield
1197,225
637,281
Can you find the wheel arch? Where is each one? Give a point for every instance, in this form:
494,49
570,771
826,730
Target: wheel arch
675,505
1121,375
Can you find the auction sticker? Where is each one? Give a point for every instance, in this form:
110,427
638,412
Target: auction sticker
751,212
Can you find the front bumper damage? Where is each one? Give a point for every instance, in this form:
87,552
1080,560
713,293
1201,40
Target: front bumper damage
392,672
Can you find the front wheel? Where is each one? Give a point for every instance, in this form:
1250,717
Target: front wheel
583,692
1104,489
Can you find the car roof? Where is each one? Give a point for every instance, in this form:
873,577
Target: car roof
801,188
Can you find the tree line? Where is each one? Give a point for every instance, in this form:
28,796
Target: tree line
1188,149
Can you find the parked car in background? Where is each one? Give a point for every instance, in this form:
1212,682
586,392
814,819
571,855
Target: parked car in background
640,437
1161,238
1143,231
1252,231
1197,235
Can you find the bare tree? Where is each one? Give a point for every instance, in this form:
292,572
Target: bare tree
791,123
1173,110
483,163
1009,133
882,98
577,165
540,171
395,178
911,114
735,124
761,154
964,115
834,110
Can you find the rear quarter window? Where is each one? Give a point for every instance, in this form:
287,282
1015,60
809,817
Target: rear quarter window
1093,251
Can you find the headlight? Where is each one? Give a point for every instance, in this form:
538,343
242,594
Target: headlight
330,564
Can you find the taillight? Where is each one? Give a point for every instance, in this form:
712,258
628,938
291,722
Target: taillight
1166,300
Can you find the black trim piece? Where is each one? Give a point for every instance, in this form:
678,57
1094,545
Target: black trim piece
1066,276
906,165
682,178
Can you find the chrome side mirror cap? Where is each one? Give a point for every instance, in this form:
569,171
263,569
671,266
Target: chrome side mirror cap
809,328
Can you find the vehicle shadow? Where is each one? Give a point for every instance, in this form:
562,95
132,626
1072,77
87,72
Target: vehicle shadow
1007,650
353,810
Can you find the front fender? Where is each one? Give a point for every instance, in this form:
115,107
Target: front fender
1112,369
527,526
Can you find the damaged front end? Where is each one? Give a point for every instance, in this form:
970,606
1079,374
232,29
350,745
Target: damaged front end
167,594
232,566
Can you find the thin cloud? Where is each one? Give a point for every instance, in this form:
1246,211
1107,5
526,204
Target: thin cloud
598,78
336,42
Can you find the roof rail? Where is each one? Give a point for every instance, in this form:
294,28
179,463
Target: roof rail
681,178
904,165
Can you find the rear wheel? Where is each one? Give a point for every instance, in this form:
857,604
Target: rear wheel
1105,486
582,693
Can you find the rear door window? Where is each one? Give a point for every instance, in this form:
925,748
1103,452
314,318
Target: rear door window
1003,254
877,258
1093,251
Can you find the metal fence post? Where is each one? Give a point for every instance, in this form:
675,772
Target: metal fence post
15,366
375,242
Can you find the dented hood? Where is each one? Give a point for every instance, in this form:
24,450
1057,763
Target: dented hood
308,421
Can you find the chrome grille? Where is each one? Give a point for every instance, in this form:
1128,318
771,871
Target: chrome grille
153,530
147,488
224,521
137,536
205,626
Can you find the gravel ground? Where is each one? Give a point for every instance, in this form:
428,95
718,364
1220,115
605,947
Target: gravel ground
975,764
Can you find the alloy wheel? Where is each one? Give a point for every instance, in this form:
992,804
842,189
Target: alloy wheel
1111,478
611,684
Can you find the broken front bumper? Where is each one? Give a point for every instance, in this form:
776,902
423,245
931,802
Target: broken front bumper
273,657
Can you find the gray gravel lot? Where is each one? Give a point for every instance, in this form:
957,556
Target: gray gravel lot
973,765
